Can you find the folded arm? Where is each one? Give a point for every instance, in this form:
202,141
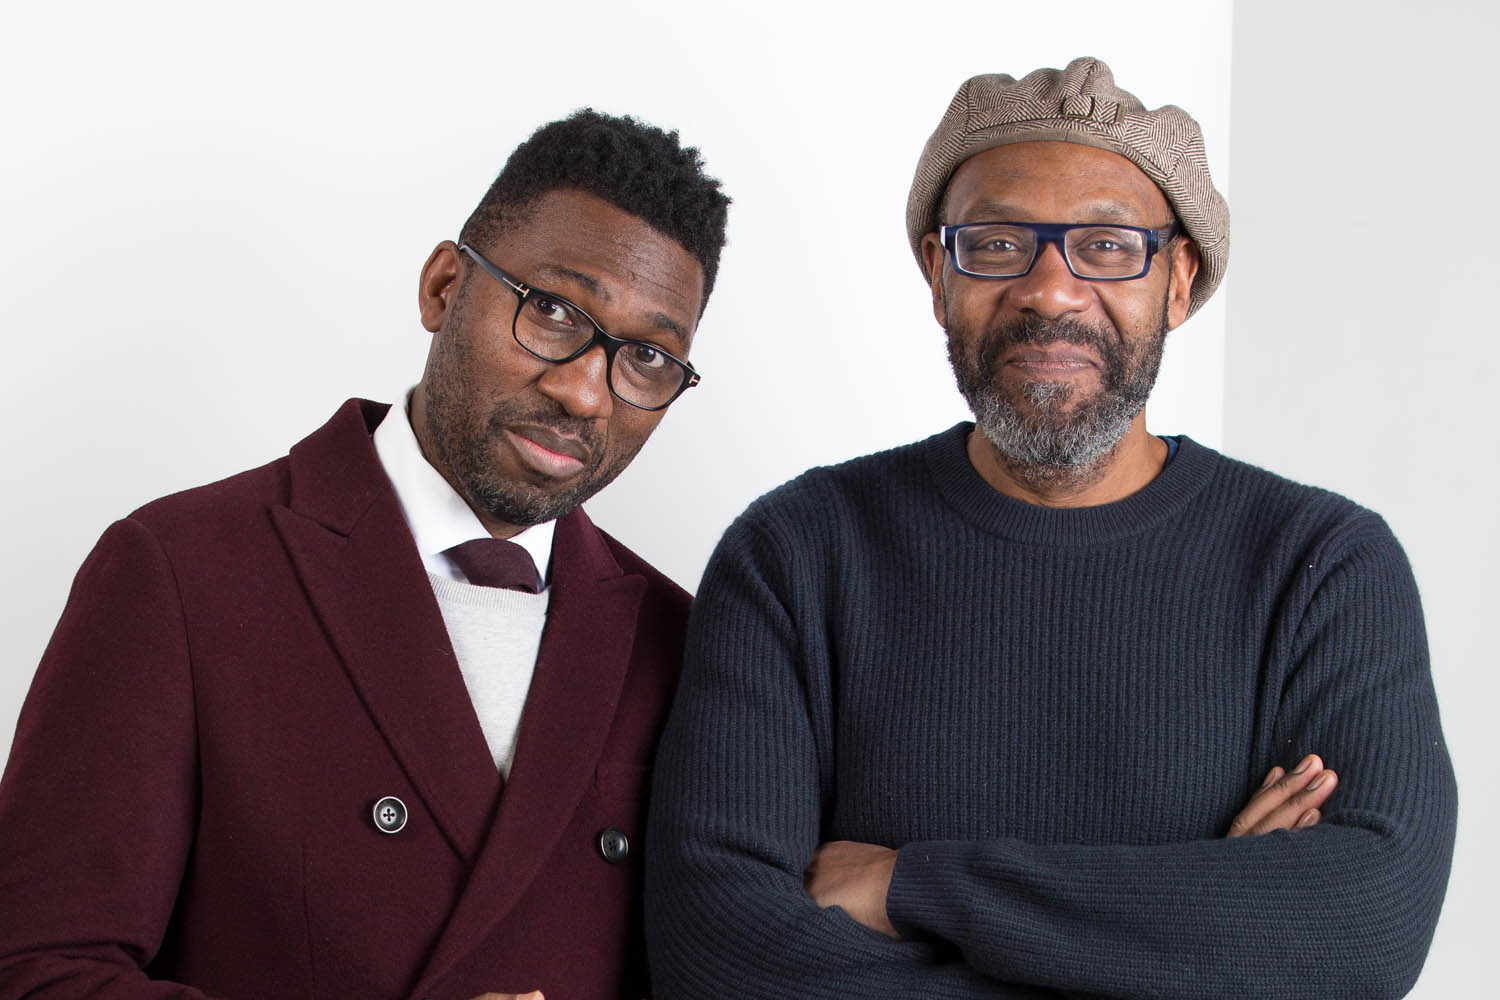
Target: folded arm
735,817
1344,909
856,877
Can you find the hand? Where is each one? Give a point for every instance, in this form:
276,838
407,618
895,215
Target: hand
533,995
853,876
1287,800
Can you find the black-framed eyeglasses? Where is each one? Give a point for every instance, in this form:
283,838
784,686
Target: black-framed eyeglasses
1093,252
556,330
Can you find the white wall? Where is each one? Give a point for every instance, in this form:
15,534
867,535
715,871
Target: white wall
214,216
1363,350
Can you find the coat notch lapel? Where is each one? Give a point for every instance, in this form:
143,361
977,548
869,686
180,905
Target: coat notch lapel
581,668
360,568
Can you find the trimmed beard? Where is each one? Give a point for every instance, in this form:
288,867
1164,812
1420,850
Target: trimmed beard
466,445
470,457
1042,441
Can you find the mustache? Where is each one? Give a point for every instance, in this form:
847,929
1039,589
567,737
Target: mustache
1041,331
553,417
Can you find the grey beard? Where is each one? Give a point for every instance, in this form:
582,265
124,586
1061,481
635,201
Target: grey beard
1045,445
1053,449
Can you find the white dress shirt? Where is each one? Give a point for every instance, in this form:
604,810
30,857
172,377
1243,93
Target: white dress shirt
438,517
495,633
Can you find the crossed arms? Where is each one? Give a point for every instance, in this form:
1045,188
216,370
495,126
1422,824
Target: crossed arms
857,877
746,897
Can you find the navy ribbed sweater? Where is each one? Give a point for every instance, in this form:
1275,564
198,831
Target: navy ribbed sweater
1054,714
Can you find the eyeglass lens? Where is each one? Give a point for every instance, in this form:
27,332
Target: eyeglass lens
557,330
1091,251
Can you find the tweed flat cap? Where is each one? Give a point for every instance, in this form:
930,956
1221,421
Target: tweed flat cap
1078,104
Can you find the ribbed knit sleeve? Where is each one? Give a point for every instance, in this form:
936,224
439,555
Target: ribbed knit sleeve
1343,910
742,775
1053,715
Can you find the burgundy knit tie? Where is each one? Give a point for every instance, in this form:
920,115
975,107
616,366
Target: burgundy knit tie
494,562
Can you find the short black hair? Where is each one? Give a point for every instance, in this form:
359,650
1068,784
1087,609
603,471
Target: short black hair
634,166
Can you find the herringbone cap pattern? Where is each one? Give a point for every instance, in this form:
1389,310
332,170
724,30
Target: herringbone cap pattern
1078,104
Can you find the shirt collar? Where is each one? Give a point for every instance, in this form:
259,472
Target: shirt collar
436,515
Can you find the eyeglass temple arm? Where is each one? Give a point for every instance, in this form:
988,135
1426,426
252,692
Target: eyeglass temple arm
494,272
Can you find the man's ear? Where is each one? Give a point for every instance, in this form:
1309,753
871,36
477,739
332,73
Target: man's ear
1184,269
437,289
932,260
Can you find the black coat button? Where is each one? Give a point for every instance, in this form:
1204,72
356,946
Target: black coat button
389,814
614,846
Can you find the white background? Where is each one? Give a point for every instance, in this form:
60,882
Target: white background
214,215
1363,351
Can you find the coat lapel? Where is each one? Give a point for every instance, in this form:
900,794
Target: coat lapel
354,554
580,672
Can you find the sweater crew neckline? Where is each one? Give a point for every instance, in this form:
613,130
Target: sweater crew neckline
968,493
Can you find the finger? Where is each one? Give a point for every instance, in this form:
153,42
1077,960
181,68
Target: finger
1273,792
1290,813
1292,806
1307,766
1266,798
1320,789
1274,805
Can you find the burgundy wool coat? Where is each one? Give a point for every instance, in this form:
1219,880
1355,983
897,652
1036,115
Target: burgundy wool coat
241,672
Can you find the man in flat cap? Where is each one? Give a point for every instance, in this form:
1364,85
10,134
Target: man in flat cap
375,720
981,715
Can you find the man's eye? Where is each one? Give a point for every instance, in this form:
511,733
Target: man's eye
1106,242
998,246
644,357
553,312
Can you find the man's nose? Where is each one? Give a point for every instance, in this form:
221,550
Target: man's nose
581,386
1049,289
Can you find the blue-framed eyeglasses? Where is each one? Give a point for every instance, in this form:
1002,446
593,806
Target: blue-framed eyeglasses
1095,252
556,330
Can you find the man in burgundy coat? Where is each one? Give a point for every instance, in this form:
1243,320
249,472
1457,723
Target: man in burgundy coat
310,731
